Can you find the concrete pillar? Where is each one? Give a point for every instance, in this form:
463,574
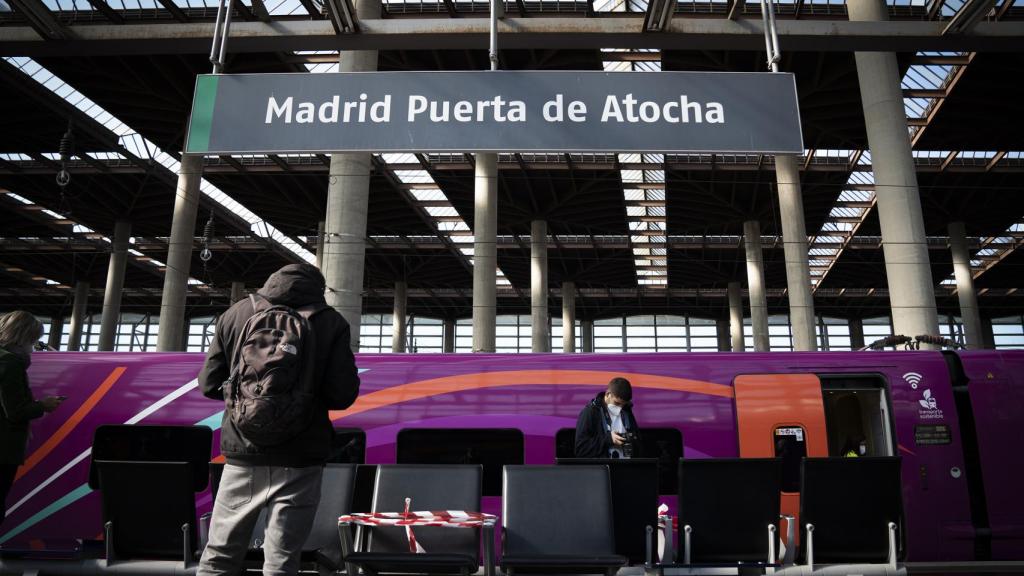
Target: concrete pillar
485,252
856,333
965,286
237,291
794,238
78,310
539,325
755,285
56,331
911,290
568,317
448,342
722,329
587,335
348,199
171,336
988,337
736,317
112,292
398,317
320,227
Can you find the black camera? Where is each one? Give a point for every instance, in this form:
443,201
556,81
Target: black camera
629,440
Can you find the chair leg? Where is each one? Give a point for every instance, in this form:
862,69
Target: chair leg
108,542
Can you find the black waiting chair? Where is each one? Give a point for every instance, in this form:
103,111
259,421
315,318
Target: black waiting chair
729,511
149,510
558,519
148,477
430,487
851,511
634,484
322,550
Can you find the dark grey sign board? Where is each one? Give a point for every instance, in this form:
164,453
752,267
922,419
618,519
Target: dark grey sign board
499,111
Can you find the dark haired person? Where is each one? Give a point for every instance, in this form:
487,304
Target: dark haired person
283,477
606,427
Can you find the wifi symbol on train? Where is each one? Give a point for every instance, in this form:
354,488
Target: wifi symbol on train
913,378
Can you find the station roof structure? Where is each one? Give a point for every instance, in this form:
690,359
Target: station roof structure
637,233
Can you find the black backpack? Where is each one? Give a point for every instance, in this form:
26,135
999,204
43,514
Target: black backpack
269,395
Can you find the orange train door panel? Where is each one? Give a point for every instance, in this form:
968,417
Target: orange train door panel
783,411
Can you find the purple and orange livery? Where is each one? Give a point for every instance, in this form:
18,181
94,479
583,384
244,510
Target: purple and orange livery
951,417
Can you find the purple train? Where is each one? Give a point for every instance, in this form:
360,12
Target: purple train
952,417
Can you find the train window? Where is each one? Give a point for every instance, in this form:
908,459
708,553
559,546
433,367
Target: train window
348,446
791,447
491,448
665,444
856,412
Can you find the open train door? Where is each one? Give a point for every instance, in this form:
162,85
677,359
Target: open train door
782,415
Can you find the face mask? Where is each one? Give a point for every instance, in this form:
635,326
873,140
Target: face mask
863,449
614,410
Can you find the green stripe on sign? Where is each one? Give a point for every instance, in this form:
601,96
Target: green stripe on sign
202,114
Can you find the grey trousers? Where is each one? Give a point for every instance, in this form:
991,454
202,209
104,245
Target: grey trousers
290,495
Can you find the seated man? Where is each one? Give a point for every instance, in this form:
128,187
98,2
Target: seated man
606,427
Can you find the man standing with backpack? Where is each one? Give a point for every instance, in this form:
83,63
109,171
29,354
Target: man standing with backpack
279,361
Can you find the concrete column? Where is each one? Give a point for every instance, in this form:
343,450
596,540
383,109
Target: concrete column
237,291
856,333
539,324
736,316
568,317
755,285
587,335
911,290
171,336
348,199
988,337
794,237
722,329
485,252
56,331
398,317
320,227
78,310
115,285
448,342
965,286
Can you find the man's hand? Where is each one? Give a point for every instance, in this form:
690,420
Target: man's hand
617,439
50,403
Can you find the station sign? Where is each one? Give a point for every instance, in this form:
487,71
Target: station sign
495,111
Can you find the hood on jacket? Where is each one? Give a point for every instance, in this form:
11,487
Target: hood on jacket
295,285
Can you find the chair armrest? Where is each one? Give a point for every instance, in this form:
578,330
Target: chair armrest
892,545
489,561
789,553
345,539
668,553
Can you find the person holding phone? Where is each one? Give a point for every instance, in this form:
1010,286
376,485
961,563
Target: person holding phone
606,427
19,331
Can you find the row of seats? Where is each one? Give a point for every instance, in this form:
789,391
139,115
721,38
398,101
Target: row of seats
729,515
579,516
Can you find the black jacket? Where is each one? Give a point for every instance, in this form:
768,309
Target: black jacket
335,370
18,408
593,433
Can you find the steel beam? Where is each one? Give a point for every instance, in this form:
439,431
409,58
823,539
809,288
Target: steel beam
44,22
518,33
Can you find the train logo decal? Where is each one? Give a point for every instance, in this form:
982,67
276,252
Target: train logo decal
929,406
913,378
928,402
